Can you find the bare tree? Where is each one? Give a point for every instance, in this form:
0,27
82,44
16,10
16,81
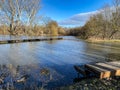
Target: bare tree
107,16
31,8
8,9
115,22
16,11
46,21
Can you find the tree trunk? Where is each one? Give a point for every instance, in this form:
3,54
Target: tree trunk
111,35
12,26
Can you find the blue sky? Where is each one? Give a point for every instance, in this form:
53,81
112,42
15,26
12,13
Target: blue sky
71,12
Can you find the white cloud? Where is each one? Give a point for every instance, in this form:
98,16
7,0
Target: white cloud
78,19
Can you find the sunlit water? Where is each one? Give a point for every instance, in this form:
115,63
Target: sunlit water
58,57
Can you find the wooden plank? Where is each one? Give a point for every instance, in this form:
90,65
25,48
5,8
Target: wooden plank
115,71
103,73
116,63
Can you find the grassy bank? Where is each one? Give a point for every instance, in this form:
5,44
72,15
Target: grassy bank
96,40
113,43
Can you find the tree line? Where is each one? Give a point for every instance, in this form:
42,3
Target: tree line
21,17
103,25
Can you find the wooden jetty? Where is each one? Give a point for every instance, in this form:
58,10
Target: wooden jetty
101,70
28,40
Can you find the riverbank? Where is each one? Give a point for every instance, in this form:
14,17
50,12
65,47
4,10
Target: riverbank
113,43
95,40
95,84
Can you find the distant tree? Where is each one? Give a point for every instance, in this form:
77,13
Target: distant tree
103,25
53,28
94,26
115,21
45,21
61,31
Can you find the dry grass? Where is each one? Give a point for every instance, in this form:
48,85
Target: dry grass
95,40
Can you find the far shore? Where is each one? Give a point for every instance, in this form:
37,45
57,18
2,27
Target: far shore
102,40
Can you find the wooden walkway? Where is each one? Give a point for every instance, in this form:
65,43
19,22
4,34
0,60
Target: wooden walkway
28,40
102,70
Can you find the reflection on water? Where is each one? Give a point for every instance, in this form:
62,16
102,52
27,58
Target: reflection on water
50,63
28,76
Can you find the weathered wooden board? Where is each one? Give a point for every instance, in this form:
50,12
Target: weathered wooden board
115,71
102,70
103,73
116,63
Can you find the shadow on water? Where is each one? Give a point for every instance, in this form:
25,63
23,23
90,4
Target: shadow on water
33,77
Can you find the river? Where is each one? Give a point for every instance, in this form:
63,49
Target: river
50,63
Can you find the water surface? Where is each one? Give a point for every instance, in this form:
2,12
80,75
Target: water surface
58,57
